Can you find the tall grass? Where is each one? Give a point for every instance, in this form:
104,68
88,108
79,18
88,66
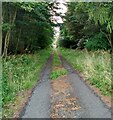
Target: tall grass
20,72
95,66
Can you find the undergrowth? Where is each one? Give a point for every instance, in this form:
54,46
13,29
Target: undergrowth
95,66
21,72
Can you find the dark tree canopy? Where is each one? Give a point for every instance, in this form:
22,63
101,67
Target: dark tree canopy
88,25
26,27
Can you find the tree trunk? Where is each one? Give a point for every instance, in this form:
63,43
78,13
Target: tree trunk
8,34
109,38
18,41
6,44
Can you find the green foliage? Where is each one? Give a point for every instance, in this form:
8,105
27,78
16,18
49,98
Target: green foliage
55,74
101,12
94,66
97,42
32,28
75,20
21,73
56,60
6,26
57,67
87,21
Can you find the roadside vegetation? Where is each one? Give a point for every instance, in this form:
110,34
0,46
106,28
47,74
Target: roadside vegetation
20,73
57,69
87,32
27,34
94,66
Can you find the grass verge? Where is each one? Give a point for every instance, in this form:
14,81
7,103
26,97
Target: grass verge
95,67
20,74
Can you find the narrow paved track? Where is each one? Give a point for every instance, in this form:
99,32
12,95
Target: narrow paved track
39,105
91,105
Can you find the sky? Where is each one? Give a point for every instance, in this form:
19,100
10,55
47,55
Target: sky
62,10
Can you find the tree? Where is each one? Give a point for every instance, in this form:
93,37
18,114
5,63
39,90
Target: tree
102,15
87,21
27,27
10,13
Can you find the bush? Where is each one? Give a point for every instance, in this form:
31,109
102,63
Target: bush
97,42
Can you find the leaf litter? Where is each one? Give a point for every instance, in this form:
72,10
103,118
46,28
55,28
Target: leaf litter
63,104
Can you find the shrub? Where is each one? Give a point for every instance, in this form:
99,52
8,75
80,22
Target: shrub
97,42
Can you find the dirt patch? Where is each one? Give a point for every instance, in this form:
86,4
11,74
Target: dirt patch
59,85
57,68
63,104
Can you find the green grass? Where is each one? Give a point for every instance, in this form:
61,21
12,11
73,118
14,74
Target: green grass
56,60
58,70
21,72
55,74
95,66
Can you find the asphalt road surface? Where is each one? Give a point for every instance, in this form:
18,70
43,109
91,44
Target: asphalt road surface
39,103
91,105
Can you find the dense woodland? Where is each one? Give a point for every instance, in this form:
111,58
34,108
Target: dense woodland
88,25
26,27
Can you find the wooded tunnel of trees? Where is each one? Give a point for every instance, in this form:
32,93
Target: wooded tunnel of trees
28,26
88,25
28,33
